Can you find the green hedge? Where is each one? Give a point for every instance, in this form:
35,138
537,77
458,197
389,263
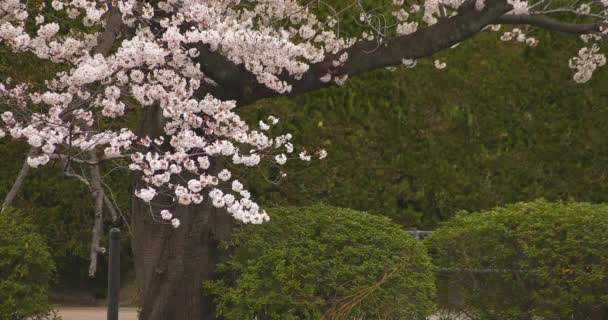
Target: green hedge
420,144
552,258
26,268
324,263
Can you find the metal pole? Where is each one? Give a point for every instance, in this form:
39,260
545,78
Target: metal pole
114,274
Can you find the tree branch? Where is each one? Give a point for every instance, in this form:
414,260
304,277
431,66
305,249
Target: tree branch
98,194
62,157
23,173
236,83
110,207
241,85
106,200
106,39
105,43
550,24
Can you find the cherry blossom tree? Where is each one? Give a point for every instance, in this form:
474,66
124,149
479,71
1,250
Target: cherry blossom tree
183,68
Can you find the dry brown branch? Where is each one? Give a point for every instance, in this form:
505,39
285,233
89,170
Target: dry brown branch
342,308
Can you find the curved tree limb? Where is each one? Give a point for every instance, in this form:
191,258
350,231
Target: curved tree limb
236,83
240,85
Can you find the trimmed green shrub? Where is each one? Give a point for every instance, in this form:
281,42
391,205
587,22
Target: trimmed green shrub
26,269
536,260
324,262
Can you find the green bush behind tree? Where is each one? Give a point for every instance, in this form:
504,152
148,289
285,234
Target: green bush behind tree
502,123
550,262
26,268
324,262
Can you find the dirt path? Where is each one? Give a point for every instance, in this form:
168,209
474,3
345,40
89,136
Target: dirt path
100,313
94,313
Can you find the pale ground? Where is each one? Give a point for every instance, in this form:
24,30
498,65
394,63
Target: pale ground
99,313
94,313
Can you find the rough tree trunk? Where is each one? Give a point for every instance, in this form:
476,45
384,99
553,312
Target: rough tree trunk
171,264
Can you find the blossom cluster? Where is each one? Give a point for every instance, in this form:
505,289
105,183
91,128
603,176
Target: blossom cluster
83,110
518,35
588,59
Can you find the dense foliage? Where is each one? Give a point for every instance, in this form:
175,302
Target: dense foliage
501,124
324,263
549,261
62,210
26,268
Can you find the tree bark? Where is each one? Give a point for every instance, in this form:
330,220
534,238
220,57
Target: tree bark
171,264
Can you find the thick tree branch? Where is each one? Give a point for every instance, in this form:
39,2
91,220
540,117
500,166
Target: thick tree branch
105,43
550,24
238,84
106,39
364,56
23,173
